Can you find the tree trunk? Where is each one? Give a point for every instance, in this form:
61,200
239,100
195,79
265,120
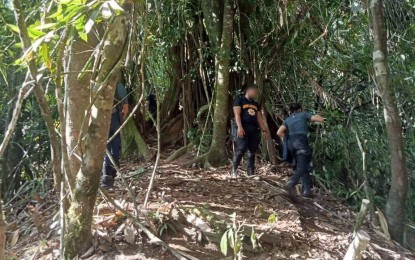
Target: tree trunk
79,237
213,15
217,152
395,206
77,98
40,94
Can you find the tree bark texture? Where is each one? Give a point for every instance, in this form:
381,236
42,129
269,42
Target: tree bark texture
395,206
79,218
77,98
217,152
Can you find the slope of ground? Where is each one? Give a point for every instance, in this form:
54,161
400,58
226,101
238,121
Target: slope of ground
190,210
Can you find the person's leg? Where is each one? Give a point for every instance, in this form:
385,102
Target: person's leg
108,170
300,170
296,146
306,178
253,142
241,145
115,152
302,150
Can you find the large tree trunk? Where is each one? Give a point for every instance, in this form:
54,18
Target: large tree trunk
395,206
77,96
217,152
79,237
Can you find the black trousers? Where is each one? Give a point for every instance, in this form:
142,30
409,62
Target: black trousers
300,149
248,144
114,147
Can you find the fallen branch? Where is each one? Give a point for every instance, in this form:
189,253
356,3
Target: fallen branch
153,238
358,245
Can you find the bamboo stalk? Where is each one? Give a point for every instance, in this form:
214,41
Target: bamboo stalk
362,214
358,245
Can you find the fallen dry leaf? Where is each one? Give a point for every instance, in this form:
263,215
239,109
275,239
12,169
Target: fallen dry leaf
15,238
129,234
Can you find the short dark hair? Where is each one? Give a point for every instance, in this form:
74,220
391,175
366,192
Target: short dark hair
250,86
294,107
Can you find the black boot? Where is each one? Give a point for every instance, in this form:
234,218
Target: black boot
308,194
307,185
290,188
234,173
250,172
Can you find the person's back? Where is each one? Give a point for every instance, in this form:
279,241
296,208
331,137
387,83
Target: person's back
297,123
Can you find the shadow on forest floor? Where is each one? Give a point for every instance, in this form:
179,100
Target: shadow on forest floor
190,209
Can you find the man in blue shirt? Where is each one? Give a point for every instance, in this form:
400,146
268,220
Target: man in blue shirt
249,121
119,113
296,126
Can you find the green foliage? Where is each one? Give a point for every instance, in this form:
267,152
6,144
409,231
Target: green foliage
272,218
233,238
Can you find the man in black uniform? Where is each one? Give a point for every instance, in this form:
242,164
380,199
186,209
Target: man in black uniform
249,120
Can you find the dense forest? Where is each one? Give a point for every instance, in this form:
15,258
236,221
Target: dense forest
353,62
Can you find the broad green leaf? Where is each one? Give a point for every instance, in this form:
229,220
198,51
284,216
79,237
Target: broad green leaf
83,36
34,33
44,53
224,244
14,28
231,237
58,13
45,26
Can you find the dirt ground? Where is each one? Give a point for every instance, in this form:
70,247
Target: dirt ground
190,209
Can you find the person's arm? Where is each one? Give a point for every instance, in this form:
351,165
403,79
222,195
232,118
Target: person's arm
122,93
125,110
281,131
317,118
261,123
237,110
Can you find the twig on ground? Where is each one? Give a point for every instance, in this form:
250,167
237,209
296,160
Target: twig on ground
153,238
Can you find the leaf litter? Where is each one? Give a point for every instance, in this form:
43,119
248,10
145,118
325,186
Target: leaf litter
190,210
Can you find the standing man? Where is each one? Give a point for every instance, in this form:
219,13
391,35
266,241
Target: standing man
249,120
296,126
119,112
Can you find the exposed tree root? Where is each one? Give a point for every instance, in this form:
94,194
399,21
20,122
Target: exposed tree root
198,160
180,152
